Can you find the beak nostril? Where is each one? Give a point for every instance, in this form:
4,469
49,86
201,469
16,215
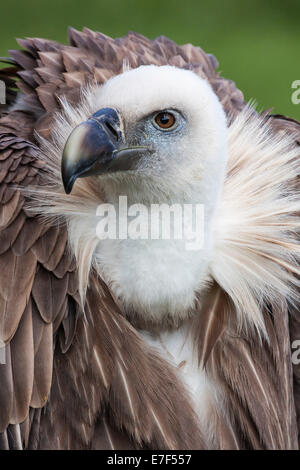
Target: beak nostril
111,130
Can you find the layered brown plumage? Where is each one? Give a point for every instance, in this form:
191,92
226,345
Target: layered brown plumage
75,379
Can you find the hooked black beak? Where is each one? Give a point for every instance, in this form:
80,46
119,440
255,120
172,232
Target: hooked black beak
91,147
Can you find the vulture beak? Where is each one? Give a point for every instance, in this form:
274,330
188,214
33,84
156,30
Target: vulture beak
95,147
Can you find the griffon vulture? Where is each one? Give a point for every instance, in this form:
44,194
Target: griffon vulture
133,343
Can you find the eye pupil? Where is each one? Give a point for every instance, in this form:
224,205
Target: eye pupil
165,120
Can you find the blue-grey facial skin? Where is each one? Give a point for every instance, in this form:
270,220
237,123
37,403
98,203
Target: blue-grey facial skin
106,144
162,142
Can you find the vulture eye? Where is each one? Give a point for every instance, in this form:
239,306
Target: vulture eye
165,120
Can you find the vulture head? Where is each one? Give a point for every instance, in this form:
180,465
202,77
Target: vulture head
154,127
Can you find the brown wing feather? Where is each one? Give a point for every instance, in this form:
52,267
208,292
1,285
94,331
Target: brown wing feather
99,367
31,296
282,124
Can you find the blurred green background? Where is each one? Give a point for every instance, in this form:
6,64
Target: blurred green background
256,42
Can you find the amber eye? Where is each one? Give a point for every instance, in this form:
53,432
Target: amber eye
165,120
